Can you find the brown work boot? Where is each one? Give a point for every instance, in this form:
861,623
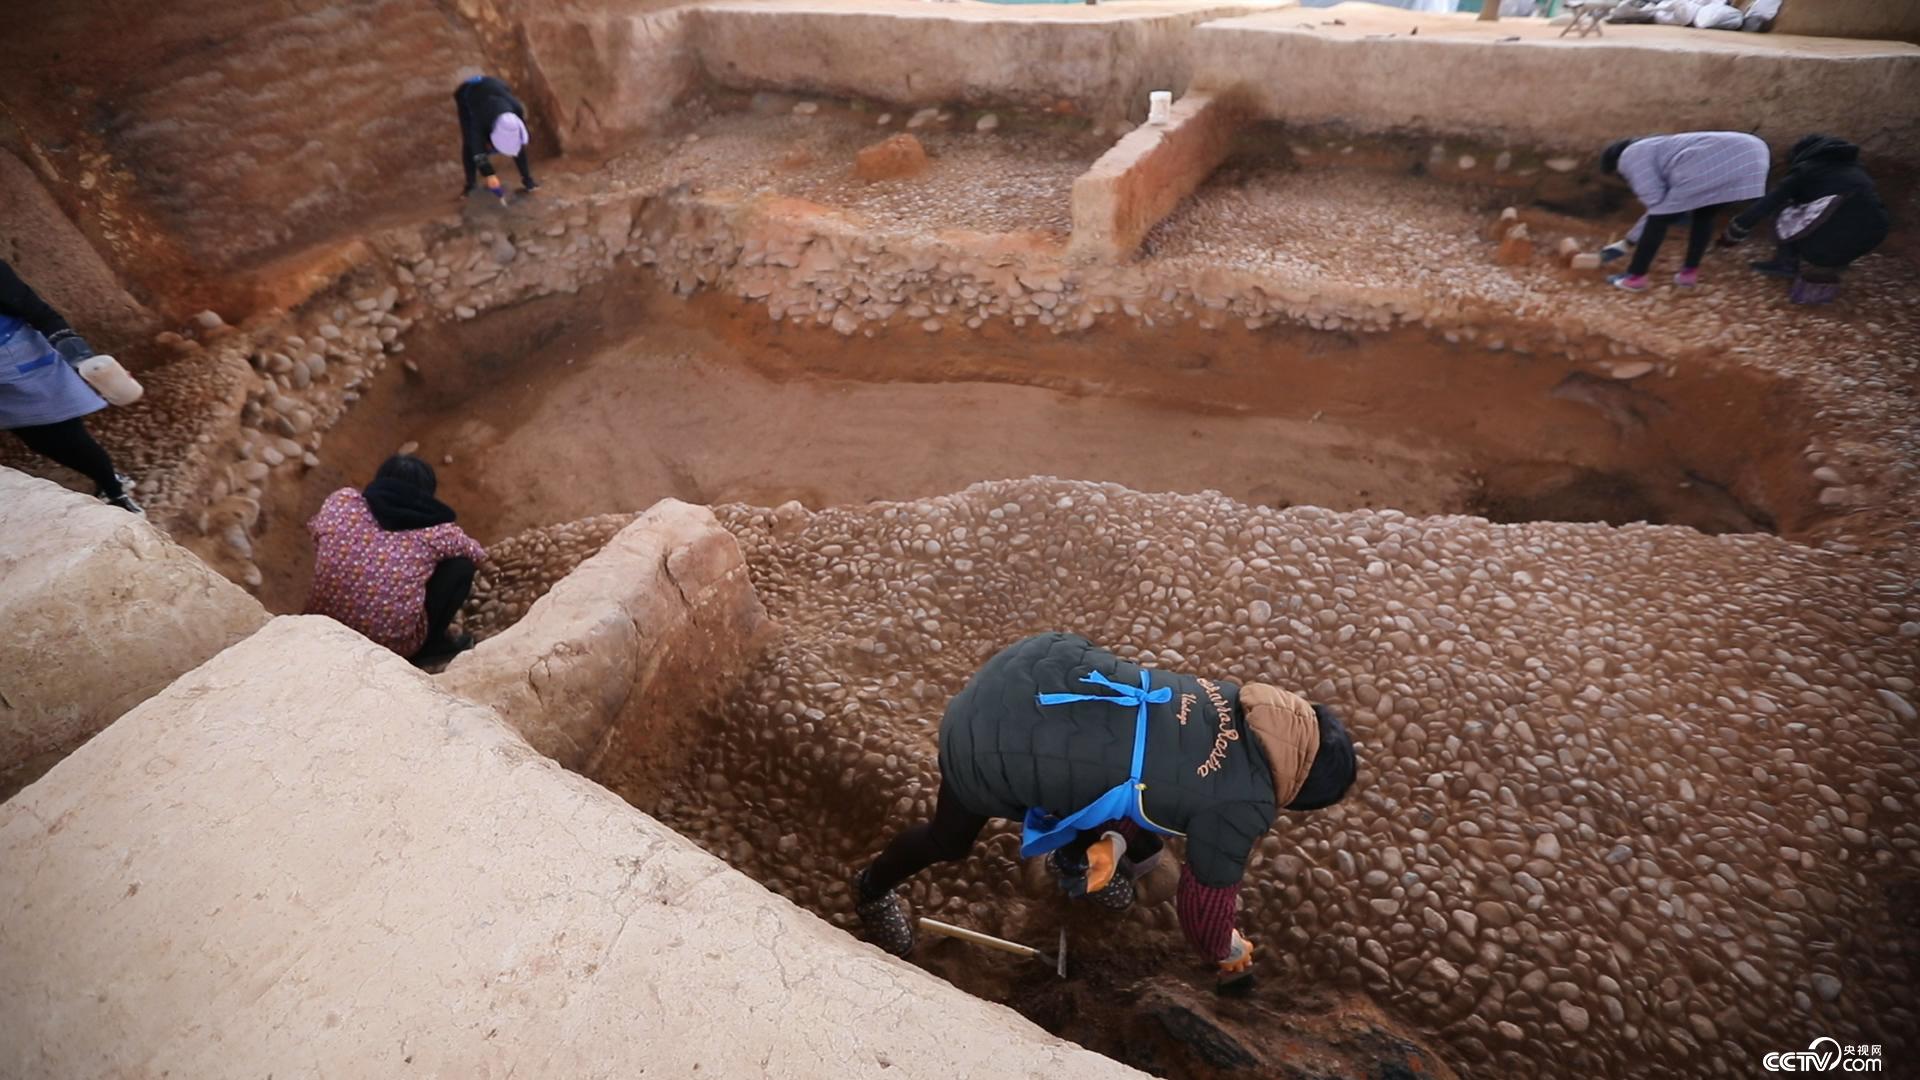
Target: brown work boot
883,918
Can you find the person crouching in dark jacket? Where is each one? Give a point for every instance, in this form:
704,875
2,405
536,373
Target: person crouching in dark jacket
1829,214
492,121
1099,757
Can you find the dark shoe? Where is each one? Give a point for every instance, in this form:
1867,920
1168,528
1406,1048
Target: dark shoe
529,187
1109,884
1780,268
1118,894
1237,985
124,500
884,919
443,650
1813,292
1069,867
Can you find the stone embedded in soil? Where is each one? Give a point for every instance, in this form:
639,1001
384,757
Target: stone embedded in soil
891,159
1475,852
1516,247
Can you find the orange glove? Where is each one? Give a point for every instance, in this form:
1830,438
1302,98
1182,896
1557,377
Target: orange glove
1103,857
1236,971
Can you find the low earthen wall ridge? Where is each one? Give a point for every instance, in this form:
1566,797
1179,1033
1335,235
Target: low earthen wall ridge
98,611
306,859
1563,94
637,637
1143,177
1102,62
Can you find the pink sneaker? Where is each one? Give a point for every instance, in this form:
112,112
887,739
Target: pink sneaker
1688,277
1629,282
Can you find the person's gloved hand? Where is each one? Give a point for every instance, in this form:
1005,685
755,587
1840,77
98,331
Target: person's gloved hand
1236,971
71,346
1103,858
1734,234
1616,250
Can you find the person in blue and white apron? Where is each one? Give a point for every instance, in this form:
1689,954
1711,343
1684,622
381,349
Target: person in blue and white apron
1827,214
43,400
1099,758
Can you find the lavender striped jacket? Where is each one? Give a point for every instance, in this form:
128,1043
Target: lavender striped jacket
1673,174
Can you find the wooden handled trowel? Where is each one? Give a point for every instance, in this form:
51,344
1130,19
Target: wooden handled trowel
1058,958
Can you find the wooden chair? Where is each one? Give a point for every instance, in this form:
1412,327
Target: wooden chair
1588,15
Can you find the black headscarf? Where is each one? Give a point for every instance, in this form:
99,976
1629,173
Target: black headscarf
1610,157
1828,148
401,495
1333,767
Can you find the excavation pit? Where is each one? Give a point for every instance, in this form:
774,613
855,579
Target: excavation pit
1616,591
571,406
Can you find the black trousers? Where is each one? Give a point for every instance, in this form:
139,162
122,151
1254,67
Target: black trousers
947,838
447,589
951,835
1698,237
69,443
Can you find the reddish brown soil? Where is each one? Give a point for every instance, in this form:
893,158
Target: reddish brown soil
1152,1008
608,401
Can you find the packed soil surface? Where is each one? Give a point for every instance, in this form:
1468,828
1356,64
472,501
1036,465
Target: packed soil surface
1015,177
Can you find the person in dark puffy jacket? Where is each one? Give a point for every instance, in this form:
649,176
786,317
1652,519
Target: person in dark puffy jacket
1829,214
1099,758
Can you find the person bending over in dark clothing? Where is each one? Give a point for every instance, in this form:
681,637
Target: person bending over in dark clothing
492,121
1829,214
43,399
1098,757
1688,177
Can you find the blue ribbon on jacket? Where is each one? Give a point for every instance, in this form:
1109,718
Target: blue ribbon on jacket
1043,832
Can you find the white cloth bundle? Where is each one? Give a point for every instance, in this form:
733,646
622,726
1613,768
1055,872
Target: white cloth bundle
1718,16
